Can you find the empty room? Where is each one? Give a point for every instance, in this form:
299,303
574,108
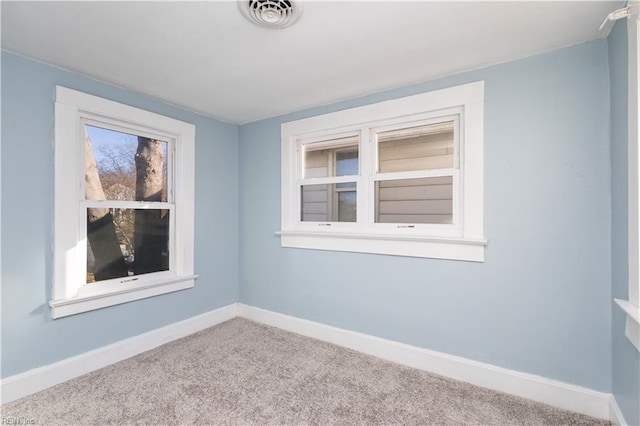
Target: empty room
281,212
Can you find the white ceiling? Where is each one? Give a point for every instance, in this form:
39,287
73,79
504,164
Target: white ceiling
206,57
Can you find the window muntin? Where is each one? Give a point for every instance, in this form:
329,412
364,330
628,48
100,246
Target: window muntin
419,179
135,182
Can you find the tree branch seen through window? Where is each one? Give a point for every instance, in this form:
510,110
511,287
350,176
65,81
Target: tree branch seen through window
125,241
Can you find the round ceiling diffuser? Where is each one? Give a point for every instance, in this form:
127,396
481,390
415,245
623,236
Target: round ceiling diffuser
271,13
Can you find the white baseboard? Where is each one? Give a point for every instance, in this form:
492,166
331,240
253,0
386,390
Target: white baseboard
537,388
551,392
615,414
35,380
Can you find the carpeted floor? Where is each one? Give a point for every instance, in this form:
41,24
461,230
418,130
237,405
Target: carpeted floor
243,373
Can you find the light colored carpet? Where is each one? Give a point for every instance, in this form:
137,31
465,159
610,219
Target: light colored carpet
243,373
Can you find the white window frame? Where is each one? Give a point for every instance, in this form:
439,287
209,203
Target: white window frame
631,306
462,241
70,293
327,141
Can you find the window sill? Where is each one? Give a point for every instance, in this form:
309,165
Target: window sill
89,302
395,245
632,328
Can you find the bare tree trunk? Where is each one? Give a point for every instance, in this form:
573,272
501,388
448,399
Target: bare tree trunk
101,232
150,234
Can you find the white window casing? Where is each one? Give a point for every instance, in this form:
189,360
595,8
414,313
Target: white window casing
70,293
631,306
457,109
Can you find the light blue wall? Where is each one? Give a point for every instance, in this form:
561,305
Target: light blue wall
29,337
626,359
540,303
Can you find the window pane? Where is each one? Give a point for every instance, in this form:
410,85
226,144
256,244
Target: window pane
416,148
124,167
347,163
424,200
347,206
334,158
329,203
126,242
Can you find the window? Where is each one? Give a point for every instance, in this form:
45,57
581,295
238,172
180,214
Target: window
123,217
336,163
401,177
631,306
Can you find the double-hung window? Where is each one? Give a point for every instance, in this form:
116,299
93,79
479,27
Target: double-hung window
401,177
328,185
123,212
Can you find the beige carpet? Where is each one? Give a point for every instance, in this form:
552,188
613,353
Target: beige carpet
243,373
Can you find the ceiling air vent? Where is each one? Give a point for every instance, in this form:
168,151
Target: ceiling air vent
271,13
